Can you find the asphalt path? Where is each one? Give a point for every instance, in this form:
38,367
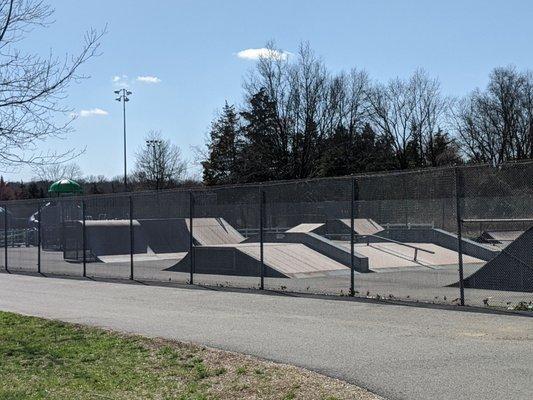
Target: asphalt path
398,352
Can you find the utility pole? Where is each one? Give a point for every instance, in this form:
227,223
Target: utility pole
123,97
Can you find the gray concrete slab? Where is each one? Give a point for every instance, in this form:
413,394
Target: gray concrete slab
396,351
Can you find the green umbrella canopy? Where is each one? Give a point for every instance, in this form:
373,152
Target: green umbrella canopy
65,186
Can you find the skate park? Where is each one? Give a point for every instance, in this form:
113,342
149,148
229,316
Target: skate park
403,229
390,260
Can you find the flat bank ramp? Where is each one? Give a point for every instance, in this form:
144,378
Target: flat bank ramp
319,244
171,235
305,228
511,270
363,226
286,260
384,257
294,260
213,231
499,239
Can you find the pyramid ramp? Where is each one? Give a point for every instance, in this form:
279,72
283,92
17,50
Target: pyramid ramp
511,270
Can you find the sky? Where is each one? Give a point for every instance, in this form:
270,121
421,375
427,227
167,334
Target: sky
182,59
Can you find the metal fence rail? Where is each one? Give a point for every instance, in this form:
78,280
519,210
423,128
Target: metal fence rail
470,228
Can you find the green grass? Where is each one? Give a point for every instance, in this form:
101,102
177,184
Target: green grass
42,359
46,359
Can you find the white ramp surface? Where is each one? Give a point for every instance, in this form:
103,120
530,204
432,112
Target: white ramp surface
213,231
294,260
386,256
305,228
363,226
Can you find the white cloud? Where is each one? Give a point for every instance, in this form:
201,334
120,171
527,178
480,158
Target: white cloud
148,79
120,80
92,112
263,52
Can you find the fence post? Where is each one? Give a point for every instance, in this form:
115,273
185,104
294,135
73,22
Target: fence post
261,239
458,210
5,237
352,238
39,213
132,243
84,238
191,237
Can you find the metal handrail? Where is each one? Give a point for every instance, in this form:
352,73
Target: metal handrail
416,248
495,220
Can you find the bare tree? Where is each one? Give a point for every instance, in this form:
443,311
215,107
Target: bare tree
310,104
496,124
409,113
159,164
55,172
33,87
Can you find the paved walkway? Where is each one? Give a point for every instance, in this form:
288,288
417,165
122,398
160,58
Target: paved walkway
398,352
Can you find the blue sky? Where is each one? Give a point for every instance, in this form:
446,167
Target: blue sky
191,48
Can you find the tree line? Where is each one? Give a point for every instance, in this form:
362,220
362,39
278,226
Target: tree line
299,120
158,165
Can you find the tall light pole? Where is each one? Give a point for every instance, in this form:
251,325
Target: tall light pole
123,97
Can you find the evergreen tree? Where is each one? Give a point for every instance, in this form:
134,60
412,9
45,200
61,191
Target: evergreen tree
265,154
33,191
222,164
6,192
372,152
338,154
348,153
443,150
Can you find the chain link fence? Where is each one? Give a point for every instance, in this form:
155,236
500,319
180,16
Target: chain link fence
496,209
460,235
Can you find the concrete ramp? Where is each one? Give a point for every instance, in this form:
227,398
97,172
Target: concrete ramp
386,256
171,235
511,270
500,239
318,243
155,236
335,227
112,237
286,260
363,226
378,255
295,260
212,231
166,235
141,258
305,228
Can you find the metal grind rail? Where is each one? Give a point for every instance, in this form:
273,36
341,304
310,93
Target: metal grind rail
416,248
